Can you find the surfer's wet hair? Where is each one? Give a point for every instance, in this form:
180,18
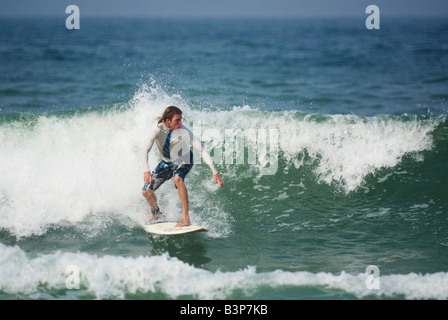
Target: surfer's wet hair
169,113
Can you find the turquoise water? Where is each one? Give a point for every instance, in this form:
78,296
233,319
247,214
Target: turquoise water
331,139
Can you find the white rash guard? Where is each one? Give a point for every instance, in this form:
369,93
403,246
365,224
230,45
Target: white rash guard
159,133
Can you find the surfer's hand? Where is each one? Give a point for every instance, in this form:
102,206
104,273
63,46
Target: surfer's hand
218,180
147,177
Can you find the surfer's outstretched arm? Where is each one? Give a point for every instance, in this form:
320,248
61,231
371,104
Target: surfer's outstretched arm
207,159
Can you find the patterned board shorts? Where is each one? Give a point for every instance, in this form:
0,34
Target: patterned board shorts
165,171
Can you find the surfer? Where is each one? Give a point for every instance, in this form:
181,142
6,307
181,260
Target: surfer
171,138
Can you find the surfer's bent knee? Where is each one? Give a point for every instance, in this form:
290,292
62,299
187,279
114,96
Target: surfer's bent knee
146,193
178,180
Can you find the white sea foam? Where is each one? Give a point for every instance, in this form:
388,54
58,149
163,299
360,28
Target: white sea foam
61,169
347,148
342,149
112,277
64,168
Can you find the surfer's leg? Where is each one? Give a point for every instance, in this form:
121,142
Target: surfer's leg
160,174
151,198
179,176
183,195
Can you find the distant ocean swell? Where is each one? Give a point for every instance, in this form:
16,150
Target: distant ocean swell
64,167
86,276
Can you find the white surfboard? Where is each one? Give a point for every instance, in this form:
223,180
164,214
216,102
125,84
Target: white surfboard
167,228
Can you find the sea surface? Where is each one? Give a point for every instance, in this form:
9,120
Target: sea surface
331,139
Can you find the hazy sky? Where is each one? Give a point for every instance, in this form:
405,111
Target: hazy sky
220,8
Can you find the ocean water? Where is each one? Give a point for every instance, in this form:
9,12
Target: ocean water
331,139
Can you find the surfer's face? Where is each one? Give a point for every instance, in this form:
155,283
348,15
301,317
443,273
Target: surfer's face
174,123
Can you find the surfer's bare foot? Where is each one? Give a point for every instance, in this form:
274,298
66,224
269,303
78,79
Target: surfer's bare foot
183,223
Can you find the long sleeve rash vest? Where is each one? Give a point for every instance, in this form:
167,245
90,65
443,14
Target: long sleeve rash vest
181,139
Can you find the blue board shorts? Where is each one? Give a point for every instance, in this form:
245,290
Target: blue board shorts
165,171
